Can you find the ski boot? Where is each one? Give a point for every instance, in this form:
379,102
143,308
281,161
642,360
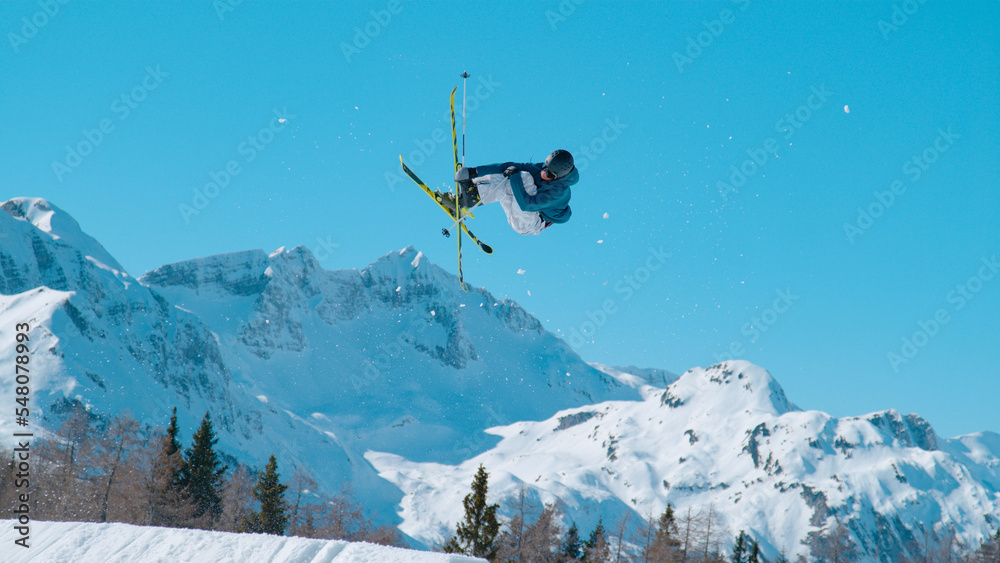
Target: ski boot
468,193
447,200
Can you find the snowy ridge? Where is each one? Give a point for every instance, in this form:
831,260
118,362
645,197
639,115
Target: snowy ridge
56,542
638,378
58,225
727,437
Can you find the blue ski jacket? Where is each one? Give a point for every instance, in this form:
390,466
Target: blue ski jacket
552,199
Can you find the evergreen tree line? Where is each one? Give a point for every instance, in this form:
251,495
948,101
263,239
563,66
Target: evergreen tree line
95,470
534,534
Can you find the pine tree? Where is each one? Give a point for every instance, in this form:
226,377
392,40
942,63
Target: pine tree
477,535
754,553
989,552
202,474
665,546
271,519
596,548
169,501
740,549
572,545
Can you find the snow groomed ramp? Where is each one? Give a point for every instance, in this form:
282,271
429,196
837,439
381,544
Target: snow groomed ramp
77,542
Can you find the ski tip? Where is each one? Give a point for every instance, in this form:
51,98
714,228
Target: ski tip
486,248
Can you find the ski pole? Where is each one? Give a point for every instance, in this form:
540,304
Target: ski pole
465,80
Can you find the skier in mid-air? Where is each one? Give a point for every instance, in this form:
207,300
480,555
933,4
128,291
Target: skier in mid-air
533,196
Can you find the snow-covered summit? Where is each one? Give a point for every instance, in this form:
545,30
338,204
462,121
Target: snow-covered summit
726,387
44,246
59,225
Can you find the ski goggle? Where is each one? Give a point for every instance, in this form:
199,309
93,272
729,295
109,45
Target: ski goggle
550,173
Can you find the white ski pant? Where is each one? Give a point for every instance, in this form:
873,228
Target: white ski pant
496,188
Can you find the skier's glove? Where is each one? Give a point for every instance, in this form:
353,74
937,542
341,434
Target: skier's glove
510,171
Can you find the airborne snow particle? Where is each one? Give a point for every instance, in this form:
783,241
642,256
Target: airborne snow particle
282,120
606,215
433,313
600,241
847,109
520,271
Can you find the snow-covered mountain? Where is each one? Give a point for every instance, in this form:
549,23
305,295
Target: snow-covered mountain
728,437
316,366
394,379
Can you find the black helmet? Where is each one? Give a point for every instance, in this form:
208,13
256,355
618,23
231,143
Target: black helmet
559,163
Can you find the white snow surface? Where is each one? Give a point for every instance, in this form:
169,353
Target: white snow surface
75,542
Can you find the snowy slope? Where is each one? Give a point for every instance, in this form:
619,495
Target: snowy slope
394,356
727,437
71,542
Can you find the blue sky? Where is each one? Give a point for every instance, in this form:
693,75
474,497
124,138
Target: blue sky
866,134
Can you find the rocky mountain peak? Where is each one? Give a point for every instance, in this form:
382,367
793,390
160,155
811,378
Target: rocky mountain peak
730,384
